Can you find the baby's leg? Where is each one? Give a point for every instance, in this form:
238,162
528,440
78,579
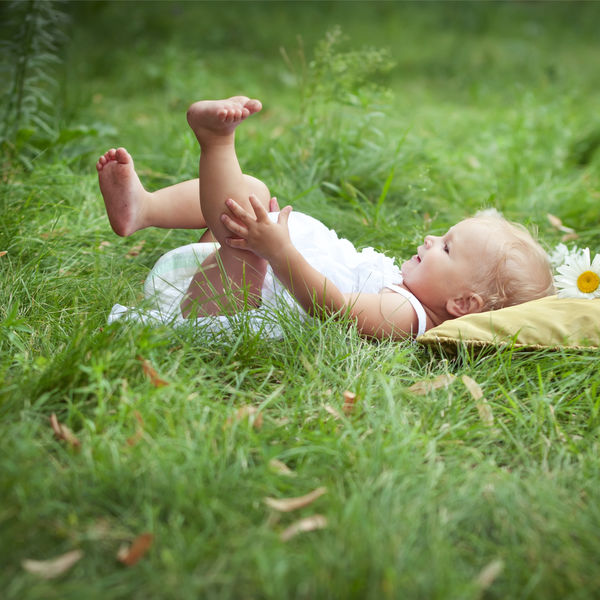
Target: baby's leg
130,207
231,277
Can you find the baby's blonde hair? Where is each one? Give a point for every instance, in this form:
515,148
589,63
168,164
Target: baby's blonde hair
520,269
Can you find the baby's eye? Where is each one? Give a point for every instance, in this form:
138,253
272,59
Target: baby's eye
446,248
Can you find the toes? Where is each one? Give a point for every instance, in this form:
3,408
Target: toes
232,114
119,155
234,111
253,106
122,156
101,162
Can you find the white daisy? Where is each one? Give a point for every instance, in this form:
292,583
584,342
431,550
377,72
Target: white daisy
561,254
579,277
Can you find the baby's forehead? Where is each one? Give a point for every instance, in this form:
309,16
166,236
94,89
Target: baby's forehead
482,225
480,232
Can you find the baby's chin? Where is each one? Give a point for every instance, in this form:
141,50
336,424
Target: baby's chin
410,264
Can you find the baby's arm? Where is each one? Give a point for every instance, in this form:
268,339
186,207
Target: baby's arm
383,315
377,315
271,241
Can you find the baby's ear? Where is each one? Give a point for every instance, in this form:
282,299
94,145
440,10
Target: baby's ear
466,304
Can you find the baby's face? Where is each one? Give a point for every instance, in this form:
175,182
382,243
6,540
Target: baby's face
447,266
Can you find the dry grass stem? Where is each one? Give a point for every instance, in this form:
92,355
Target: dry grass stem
289,504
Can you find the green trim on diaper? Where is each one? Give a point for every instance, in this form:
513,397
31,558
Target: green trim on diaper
189,260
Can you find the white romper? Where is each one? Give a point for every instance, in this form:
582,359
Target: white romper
351,270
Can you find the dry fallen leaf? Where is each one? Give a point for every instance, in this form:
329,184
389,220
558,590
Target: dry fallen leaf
249,412
135,250
281,468
489,573
420,388
62,432
569,237
306,524
54,567
554,221
485,412
151,373
349,402
558,224
139,434
129,555
289,504
3,252
54,233
332,411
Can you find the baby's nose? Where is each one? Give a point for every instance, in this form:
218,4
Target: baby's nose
428,241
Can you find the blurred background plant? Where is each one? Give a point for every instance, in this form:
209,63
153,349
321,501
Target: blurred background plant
34,32
33,41
343,97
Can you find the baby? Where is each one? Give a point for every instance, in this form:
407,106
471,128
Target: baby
481,263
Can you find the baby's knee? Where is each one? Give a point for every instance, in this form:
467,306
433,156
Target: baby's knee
259,189
188,115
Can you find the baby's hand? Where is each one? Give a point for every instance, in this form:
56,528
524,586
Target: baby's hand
257,232
273,205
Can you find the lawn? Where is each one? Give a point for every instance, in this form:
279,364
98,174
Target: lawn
384,120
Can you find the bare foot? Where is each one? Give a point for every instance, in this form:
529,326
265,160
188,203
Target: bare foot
122,191
210,119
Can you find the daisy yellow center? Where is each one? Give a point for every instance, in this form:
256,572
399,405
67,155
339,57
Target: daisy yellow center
588,282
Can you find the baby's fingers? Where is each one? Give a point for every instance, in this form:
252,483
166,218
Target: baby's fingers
259,209
284,215
273,205
237,211
233,226
238,243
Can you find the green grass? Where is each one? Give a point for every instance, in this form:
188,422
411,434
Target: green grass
455,107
